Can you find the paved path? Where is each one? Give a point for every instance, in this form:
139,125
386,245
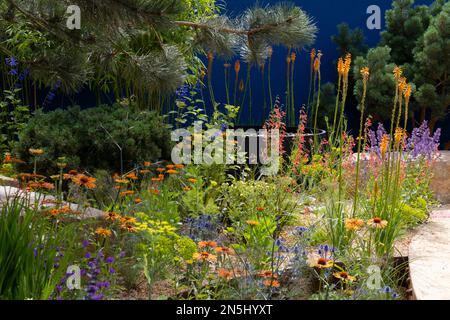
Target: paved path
429,258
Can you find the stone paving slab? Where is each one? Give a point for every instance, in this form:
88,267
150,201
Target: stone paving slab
7,193
429,258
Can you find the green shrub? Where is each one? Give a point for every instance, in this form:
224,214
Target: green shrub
91,139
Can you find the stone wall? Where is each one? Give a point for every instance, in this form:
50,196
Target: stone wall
441,178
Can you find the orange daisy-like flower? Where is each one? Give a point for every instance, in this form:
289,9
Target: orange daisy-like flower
71,174
353,224
377,223
170,166
320,263
147,164
225,250
132,176
138,200
122,181
172,171
204,244
128,220
153,191
267,274
145,171
344,276
260,209
84,181
106,233
179,166
192,180
271,283
156,179
126,193
128,227
113,216
225,274
187,189
160,169
204,256
252,223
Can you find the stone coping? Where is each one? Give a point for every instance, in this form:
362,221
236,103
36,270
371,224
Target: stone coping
429,258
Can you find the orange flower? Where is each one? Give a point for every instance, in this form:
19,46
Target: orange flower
237,66
241,86
267,274
225,250
122,181
187,189
84,181
106,233
365,73
112,216
341,67
316,65
132,176
353,224
145,171
153,191
137,200
313,54
252,223
320,262
172,171
128,227
398,135
204,244
179,166
260,209
170,166
347,63
128,220
192,180
7,158
126,193
227,66
384,145
271,283
344,276
377,223
225,274
147,164
156,179
40,185
397,72
293,56
204,256
160,169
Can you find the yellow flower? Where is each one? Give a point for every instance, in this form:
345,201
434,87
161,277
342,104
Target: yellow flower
106,233
365,73
320,262
377,223
252,223
36,152
353,224
344,276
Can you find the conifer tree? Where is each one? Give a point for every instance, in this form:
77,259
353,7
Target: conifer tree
144,45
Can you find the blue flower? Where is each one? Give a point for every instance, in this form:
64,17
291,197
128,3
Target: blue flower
110,260
11,61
